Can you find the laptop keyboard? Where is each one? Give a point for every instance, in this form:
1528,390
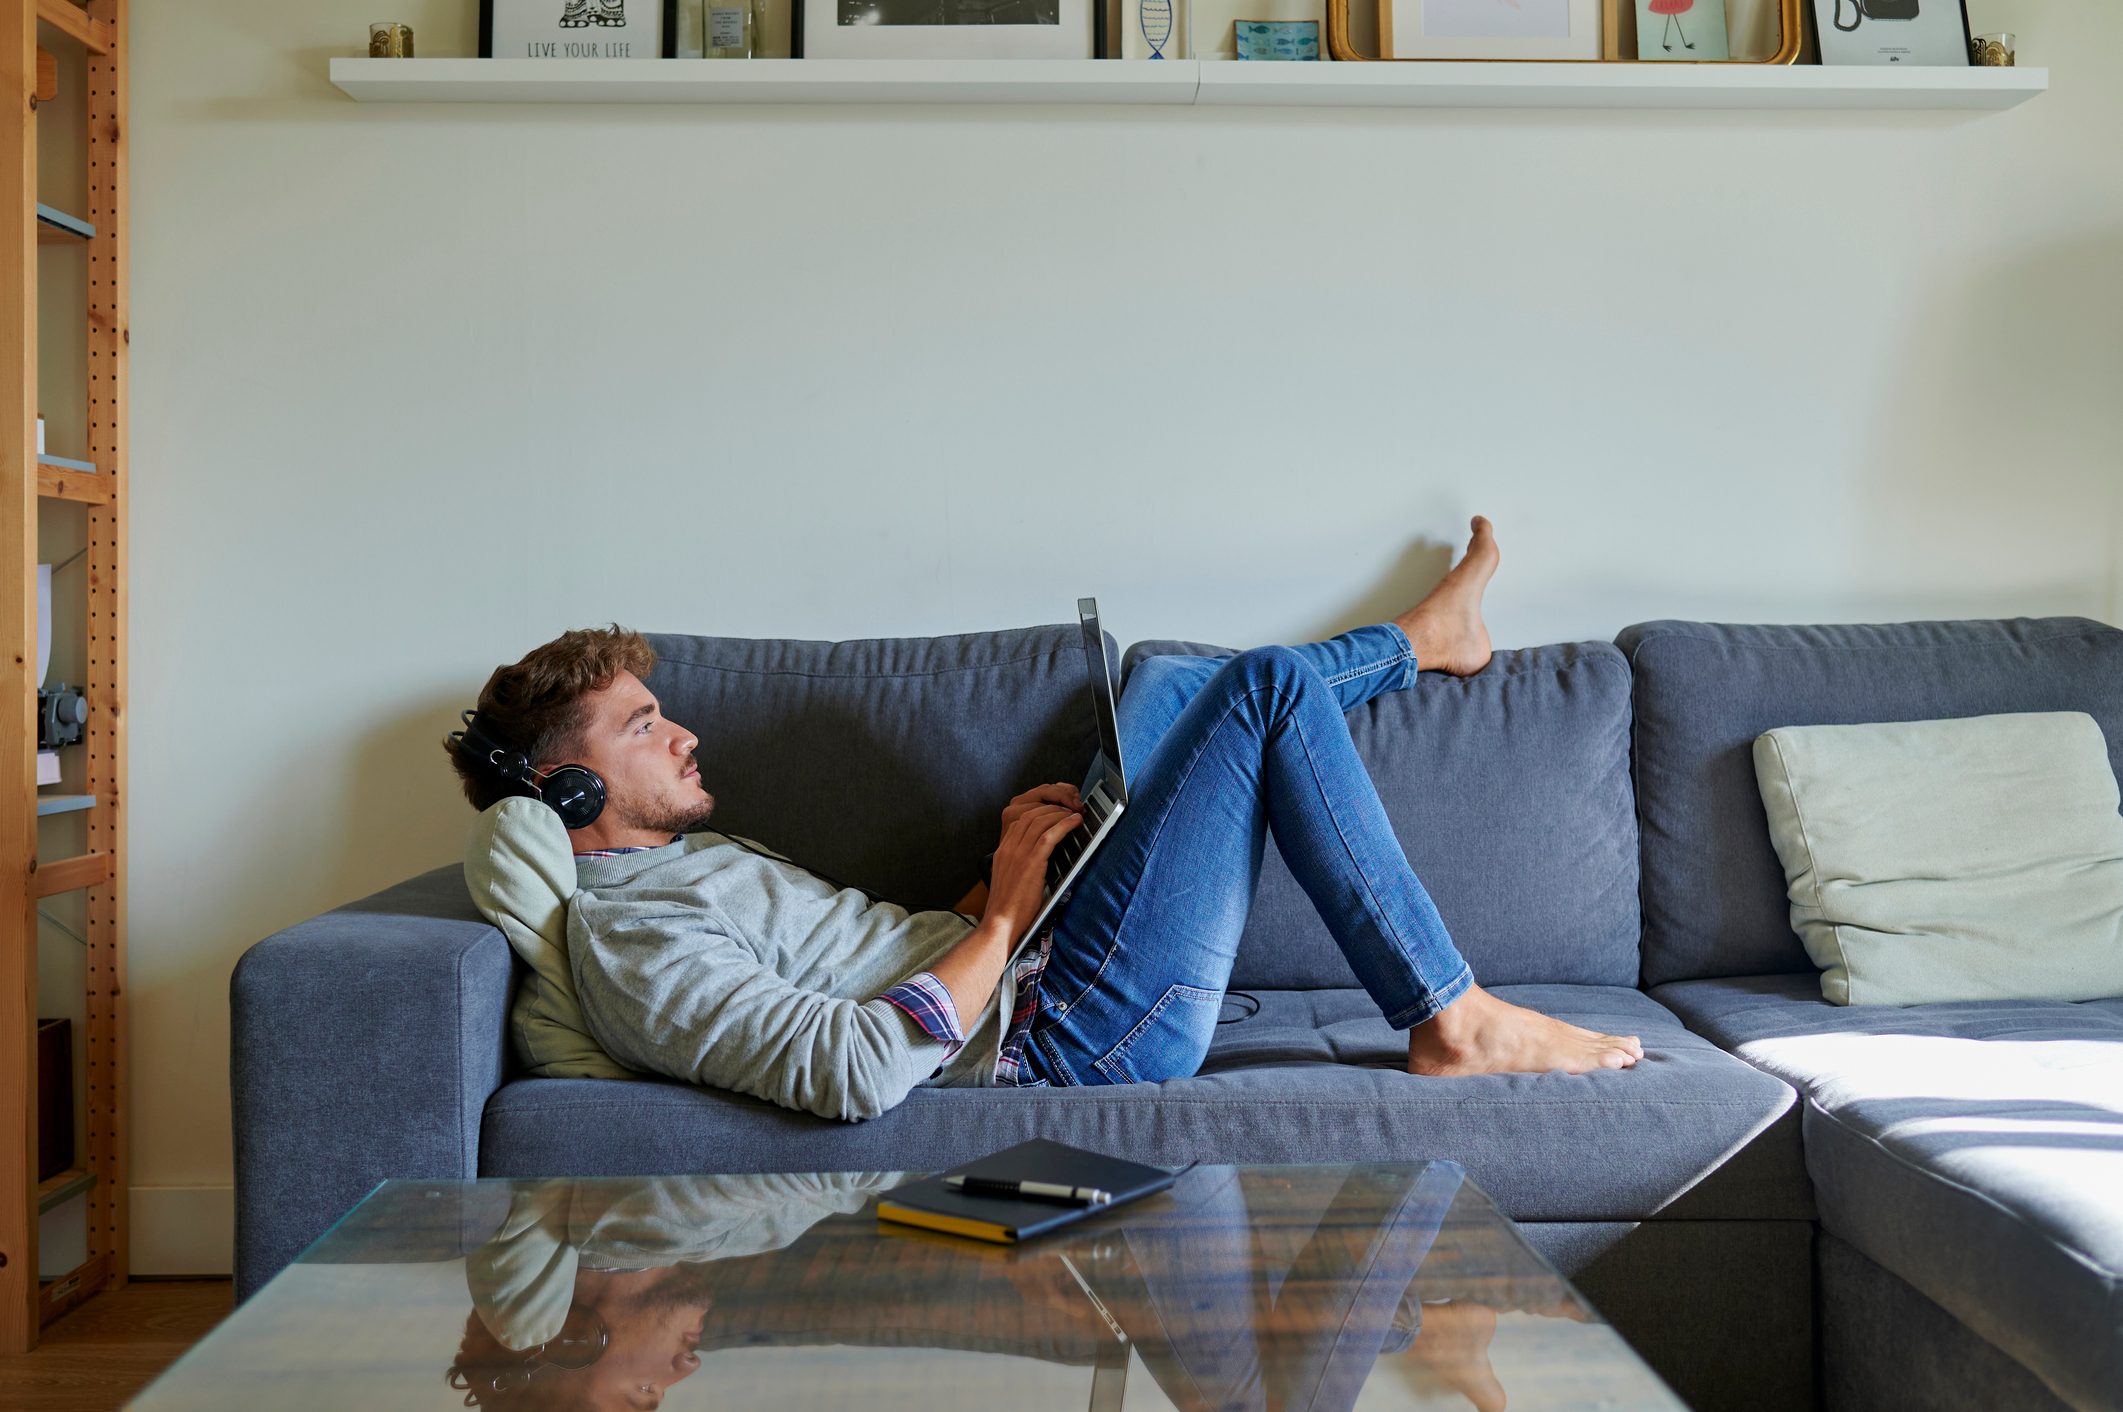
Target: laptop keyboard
1097,806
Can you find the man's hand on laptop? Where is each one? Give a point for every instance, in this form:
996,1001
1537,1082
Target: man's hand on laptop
1064,794
1033,824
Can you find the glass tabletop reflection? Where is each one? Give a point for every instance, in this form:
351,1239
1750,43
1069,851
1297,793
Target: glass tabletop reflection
1378,1287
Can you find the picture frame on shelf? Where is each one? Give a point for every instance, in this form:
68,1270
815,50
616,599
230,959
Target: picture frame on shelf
1681,31
1154,29
1908,34
1756,32
1213,24
561,30
951,29
1491,29
1416,31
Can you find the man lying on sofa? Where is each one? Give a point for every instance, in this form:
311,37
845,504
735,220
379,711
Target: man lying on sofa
710,959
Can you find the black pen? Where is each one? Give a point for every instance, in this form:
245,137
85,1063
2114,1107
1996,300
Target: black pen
1031,1191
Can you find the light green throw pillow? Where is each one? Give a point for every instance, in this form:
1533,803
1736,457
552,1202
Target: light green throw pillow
521,872
1974,859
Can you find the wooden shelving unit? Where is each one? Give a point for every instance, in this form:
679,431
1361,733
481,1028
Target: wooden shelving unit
1180,83
27,1303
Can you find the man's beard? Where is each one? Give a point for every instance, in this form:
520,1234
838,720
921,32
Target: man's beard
691,1285
659,817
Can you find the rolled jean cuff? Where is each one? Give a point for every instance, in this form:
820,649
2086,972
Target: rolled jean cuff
1408,647
1427,1008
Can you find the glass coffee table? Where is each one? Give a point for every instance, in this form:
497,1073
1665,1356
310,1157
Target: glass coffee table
1329,1288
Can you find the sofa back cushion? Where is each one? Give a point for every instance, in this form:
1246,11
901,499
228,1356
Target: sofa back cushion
882,763
1714,890
1509,792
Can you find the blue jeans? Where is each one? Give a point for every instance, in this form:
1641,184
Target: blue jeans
1219,751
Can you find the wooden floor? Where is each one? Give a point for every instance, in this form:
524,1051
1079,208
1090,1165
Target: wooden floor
99,1355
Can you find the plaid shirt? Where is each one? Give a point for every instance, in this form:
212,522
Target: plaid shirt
1010,1064
924,1000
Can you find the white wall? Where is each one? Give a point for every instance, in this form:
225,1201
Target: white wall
414,389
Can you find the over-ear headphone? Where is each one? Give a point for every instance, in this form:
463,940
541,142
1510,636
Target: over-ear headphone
575,792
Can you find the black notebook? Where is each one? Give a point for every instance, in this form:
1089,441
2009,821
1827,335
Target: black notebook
931,1204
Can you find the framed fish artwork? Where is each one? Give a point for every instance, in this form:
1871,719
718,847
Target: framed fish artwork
1156,29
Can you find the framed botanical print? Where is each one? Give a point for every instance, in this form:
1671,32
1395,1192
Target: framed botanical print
1581,31
1490,29
571,29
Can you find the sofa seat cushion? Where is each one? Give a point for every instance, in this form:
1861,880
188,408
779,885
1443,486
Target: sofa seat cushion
1314,1076
1715,900
1973,1149
1509,792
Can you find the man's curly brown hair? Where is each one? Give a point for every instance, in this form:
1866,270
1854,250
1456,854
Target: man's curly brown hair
536,706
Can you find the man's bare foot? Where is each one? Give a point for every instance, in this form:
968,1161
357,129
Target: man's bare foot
1480,1034
1446,628
1453,1344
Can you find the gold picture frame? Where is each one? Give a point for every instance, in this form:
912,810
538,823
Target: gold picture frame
1791,31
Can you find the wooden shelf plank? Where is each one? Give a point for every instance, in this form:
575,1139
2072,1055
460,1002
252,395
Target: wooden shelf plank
72,485
1181,82
75,23
72,874
56,1297
64,1187
60,482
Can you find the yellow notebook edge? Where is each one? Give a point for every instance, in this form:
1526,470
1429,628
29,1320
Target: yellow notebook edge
952,1225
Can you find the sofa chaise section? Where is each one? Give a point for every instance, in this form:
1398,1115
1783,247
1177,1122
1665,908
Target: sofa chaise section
1967,1159
1974,1151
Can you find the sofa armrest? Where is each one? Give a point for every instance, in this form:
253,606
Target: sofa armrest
364,1044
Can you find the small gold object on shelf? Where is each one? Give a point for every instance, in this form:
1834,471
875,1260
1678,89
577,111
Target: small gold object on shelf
390,41
1991,51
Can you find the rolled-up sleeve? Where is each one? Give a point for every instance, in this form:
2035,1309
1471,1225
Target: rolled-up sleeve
927,1002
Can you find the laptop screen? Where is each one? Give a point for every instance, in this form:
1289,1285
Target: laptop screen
1100,669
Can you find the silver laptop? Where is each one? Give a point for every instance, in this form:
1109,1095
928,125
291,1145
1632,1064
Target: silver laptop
1104,793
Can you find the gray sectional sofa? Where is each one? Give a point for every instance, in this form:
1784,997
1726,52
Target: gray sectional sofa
1786,1205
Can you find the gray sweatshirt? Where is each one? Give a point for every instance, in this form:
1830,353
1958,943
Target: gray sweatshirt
716,965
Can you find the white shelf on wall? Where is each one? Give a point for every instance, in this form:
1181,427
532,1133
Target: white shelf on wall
1179,82
764,81
1445,85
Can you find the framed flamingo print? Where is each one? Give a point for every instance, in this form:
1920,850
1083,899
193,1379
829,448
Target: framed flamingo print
1681,29
1491,29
